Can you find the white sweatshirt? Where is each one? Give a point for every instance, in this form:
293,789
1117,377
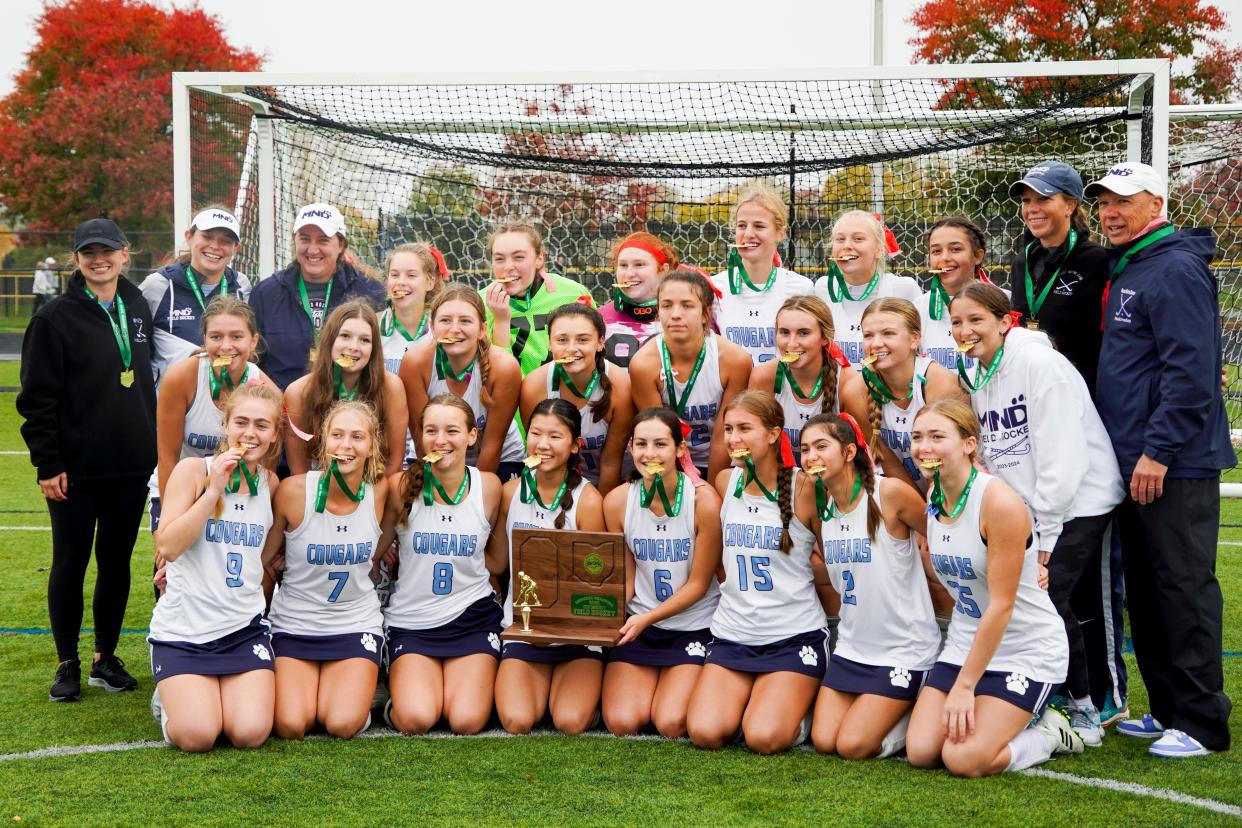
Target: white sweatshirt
1043,436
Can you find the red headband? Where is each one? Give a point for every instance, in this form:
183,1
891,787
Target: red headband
639,244
890,241
440,265
859,440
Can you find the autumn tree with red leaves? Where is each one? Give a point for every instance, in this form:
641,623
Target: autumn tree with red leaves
88,126
1005,31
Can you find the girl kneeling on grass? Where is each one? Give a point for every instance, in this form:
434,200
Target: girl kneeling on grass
564,679
328,630
769,642
211,653
672,531
1006,648
888,637
443,620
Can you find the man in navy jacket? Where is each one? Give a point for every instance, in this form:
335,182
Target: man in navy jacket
1158,392
291,304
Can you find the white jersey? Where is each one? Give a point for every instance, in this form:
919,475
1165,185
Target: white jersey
937,341
748,318
327,588
1034,644
663,550
443,569
1025,414
847,314
886,610
395,344
594,432
216,586
534,516
897,422
798,412
767,595
204,423
512,451
699,412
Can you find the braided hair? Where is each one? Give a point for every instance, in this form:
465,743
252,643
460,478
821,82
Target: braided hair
568,414
818,310
412,477
461,292
770,414
841,432
599,408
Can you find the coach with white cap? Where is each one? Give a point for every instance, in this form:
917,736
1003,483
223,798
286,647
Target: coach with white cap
291,304
1158,393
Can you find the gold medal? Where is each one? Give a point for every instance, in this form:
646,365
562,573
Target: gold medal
434,456
345,361
966,346
221,362
313,353
739,454
817,470
127,378
1032,324
930,465
532,461
504,280
565,360
448,340
790,357
654,469
868,360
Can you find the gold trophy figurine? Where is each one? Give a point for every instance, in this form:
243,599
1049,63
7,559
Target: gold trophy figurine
527,597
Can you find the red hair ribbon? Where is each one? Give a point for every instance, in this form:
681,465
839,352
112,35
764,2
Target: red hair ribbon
776,258
706,277
983,276
639,244
890,241
688,468
859,440
1015,319
836,354
585,300
787,457
445,274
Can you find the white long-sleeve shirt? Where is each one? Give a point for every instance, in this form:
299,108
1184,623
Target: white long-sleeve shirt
1043,436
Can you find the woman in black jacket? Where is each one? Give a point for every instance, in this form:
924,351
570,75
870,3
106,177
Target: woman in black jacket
88,401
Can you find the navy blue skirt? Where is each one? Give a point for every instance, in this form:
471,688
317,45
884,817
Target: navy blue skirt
1015,688
657,647
805,653
476,630
550,653
854,677
330,647
249,648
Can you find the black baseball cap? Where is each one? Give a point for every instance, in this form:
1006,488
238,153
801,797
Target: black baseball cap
99,231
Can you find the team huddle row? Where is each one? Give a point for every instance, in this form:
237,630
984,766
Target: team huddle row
805,475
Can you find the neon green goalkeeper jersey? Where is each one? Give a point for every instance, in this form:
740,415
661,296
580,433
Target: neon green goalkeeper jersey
528,329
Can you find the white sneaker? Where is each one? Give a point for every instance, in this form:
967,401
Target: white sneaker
1086,723
895,740
157,707
804,730
1060,736
1177,744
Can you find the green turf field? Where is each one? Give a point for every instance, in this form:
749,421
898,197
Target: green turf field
532,780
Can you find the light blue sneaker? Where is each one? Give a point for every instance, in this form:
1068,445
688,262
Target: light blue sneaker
1086,723
1175,744
1144,728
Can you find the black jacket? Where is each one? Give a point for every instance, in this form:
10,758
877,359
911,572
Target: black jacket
79,419
1071,313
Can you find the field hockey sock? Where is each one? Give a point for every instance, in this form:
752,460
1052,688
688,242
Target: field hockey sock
1028,748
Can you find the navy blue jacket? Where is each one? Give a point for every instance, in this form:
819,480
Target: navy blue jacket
176,313
286,331
1158,387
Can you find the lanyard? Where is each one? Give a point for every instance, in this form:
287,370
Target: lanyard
828,511
978,384
784,373
670,383
936,505
657,487
234,484
1033,303
224,380
445,370
939,300
321,496
306,305
430,482
192,278
120,329
880,391
561,377
391,323
750,474
839,289
1156,236
738,274
530,490
339,382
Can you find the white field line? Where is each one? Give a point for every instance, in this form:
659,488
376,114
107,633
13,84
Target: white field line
144,527
14,453
1139,790
1131,788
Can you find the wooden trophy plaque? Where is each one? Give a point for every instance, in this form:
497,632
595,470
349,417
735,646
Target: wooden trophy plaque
569,586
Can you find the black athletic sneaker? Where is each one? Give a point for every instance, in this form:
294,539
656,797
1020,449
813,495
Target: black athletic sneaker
109,673
68,684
